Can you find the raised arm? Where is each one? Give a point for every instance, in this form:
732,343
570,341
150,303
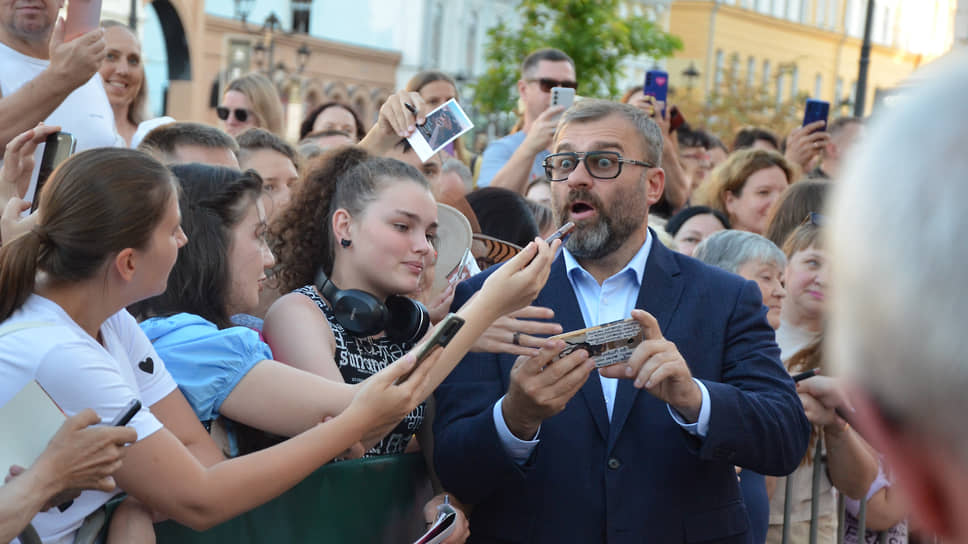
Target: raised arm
72,64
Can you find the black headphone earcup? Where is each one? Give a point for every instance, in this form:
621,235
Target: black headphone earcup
359,312
408,319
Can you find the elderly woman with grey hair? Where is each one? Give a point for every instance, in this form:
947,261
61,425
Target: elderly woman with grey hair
754,258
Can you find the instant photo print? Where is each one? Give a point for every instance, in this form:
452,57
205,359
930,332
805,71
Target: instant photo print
443,125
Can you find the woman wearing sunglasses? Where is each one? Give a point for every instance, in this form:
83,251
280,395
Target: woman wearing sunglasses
251,101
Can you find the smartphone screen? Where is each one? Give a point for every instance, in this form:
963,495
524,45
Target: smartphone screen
816,110
57,148
657,85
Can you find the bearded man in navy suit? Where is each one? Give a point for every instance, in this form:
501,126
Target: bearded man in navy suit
545,449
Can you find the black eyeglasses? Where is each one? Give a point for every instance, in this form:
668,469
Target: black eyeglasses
241,114
600,164
547,83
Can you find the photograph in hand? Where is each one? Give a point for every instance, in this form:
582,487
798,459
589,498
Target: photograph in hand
443,125
609,344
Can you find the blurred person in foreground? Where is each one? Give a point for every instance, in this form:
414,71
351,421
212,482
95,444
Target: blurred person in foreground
898,336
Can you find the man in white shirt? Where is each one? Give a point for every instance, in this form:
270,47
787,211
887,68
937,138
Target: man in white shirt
45,79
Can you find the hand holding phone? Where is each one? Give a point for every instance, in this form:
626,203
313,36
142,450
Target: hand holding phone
83,16
442,335
657,86
57,148
816,110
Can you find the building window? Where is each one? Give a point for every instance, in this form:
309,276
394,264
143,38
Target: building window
766,75
436,33
301,16
750,71
818,86
471,59
839,91
763,6
779,8
779,89
718,79
794,82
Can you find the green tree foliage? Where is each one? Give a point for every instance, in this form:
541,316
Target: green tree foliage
592,32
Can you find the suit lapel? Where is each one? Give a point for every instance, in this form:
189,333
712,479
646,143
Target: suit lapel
568,314
659,295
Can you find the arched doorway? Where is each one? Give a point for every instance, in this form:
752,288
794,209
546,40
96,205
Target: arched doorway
166,52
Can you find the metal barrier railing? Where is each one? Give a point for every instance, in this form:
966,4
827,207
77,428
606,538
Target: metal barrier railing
817,476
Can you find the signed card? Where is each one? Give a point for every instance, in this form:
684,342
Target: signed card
609,343
443,125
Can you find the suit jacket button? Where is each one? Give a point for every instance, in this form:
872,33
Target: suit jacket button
614,463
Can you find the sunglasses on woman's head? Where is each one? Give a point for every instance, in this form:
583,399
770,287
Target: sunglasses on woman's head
241,114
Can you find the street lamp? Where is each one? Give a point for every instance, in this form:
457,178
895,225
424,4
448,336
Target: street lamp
243,8
690,73
302,55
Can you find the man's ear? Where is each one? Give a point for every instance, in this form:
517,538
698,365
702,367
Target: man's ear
342,225
521,86
654,185
125,263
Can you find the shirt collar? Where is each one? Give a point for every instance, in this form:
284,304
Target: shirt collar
636,265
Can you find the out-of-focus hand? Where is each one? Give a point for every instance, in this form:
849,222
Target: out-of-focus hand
462,527
500,336
11,224
76,61
18,161
83,457
822,398
805,144
657,366
542,131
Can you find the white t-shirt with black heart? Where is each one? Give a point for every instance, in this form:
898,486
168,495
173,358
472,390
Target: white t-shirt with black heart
78,373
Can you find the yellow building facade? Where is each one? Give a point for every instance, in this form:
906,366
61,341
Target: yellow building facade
805,46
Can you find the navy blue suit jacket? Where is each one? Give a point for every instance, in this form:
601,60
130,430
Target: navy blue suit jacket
641,477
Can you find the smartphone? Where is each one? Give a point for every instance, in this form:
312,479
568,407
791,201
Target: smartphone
83,16
57,148
125,415
657,85
442,335
565,230
676,119
439,532
804,375
562,96
816,110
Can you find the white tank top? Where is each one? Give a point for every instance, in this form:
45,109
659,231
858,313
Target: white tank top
85,113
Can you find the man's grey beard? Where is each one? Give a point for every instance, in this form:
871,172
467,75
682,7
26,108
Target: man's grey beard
603,237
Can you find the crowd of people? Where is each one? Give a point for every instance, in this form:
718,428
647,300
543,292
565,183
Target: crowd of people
262,299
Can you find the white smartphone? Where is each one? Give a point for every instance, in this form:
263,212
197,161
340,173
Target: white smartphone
562,96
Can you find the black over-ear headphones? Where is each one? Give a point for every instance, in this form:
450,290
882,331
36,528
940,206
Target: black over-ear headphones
359,312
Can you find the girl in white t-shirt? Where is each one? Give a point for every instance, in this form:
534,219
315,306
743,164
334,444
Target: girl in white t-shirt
108,236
